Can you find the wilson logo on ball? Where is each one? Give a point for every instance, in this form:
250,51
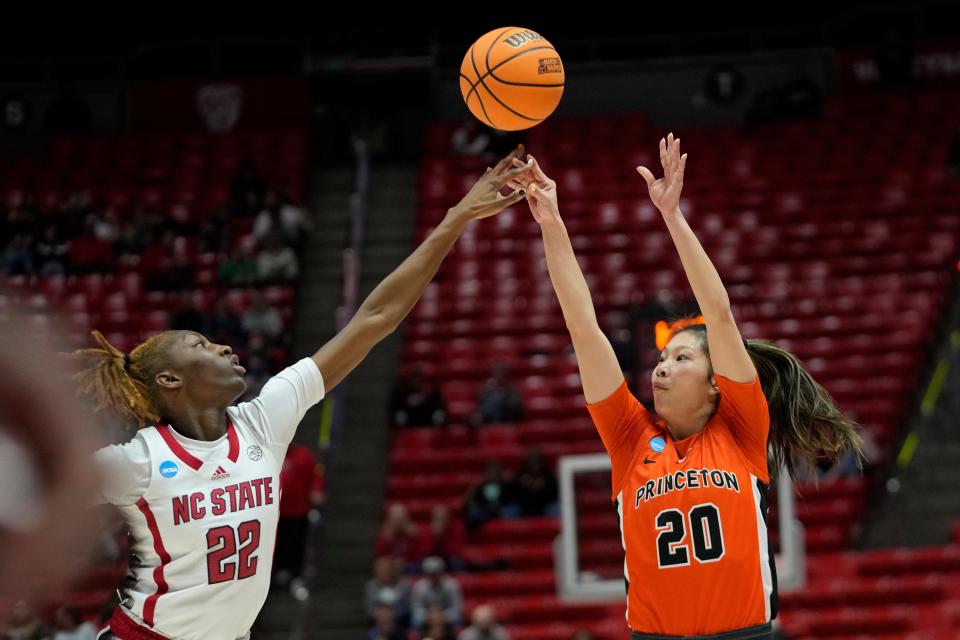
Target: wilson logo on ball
517,39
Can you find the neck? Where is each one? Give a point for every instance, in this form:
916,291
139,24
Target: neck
200,424
681,429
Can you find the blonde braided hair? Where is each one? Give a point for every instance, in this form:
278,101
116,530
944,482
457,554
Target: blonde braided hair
123,383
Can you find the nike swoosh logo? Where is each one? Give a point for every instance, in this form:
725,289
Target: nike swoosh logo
648,461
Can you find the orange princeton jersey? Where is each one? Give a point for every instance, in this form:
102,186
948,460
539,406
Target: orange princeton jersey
693,514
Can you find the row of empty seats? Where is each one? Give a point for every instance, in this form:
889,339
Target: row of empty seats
188,171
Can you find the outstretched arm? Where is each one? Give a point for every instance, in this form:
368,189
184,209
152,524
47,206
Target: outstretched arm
727,352
390,302
600,372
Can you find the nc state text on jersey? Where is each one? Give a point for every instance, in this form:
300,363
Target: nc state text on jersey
231,498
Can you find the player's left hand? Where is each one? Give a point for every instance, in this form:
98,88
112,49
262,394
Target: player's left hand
665,192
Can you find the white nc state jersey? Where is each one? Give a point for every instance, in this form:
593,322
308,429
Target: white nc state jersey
203,515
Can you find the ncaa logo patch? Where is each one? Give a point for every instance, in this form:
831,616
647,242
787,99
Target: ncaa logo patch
657,443
254,452
169,468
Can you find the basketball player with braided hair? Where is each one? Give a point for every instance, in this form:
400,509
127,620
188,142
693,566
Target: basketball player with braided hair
198,486
691,488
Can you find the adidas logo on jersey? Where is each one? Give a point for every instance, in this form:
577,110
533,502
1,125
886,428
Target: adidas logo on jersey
220,474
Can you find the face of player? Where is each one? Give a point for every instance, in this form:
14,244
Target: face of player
210,373
682,386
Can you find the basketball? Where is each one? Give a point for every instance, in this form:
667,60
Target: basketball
511,78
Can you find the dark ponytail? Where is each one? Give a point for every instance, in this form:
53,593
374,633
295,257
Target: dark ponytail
805,423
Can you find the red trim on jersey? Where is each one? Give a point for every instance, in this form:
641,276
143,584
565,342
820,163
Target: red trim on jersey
185,456
126,628
234,441
151,604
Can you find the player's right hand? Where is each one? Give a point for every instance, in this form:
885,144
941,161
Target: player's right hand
484,198
541,190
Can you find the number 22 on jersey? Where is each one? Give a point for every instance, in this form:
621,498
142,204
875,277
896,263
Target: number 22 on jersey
225,542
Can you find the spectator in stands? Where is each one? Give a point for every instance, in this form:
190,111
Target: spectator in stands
88,252
258,346
583,634
436,588
215,233
51,253
498,400
241,268
73,214
188,317
301,490
444,538
436,626
484,626
486,498
469,139
416,402
262,316
71,627
385,624
167,264
400,537
23,624
105,226
534,488
22,219
179,220
134,234
225,325
282,218
247,191
277,262
388,584
18,256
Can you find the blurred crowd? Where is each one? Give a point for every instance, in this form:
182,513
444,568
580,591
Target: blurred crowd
254,239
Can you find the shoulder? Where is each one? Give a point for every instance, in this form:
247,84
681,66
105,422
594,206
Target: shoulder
742,403
620,413
125,470
736,392
305,367
134,451
300,381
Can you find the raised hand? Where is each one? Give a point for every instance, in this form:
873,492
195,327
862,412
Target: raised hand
541,190
665,192
484,198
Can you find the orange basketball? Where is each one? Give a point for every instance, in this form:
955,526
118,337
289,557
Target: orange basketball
511,78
